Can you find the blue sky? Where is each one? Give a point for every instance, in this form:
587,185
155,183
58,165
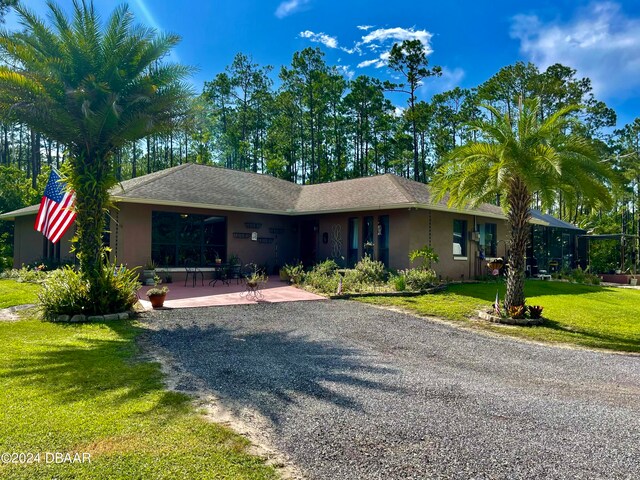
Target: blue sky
470,39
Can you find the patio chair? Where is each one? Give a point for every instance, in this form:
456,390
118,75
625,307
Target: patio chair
192,269
235,272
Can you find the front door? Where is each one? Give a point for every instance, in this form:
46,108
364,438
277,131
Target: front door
308,242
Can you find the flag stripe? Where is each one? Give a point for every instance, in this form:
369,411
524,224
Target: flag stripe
56,209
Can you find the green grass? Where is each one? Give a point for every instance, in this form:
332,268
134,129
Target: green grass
81,388
13,293
590,316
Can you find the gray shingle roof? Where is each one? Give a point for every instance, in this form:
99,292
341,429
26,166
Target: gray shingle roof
208,186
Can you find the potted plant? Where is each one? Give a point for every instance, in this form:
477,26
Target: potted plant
149,273
633,281
218,260
157,295
535,311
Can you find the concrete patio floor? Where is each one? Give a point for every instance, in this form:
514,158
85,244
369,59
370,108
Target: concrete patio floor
179,296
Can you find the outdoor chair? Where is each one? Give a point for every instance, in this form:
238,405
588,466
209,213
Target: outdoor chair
192,269
236,273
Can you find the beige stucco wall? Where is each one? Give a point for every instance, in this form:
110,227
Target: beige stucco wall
409,229
28,243
435,228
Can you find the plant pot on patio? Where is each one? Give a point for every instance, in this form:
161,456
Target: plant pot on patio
157,296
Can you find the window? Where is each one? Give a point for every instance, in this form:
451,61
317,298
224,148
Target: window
488,239
367,236
459,238
177,238
383,239
352,250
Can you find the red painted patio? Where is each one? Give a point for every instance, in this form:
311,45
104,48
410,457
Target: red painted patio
179,296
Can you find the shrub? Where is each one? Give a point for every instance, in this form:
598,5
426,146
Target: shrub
328,267
295,273
398,282
535,311
593,279
5,263
321,282
65,292
27,274
578,276
517,311
353,281
370,271
426,255
418,278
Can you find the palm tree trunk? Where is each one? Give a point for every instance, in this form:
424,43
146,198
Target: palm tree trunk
519,201
90,180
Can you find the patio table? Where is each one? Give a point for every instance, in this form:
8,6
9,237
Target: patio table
220,273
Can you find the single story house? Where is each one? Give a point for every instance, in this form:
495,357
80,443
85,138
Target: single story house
197,213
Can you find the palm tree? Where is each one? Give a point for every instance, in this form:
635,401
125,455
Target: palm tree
515,158
92,88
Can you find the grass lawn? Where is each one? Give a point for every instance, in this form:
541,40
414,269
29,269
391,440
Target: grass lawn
590,316
13,293
80,388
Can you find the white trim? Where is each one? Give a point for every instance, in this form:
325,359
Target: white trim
460,258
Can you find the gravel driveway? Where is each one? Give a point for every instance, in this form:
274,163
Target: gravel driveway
353,391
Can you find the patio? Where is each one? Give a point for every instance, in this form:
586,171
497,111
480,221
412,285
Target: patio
179,296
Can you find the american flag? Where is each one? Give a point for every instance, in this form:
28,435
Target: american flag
55,215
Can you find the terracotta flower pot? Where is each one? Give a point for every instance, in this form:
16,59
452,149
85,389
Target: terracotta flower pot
157,301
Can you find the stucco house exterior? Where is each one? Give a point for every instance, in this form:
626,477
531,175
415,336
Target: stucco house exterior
195,212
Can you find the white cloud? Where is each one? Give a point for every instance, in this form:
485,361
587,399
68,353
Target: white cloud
379,62
365,27
327,40
289,7
600,42
345,70
368,63
399,34
384,38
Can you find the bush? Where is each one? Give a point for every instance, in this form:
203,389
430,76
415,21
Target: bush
328,267
321,282
370,271
353,281
418,278
295,273
5,263
64,292
399,282
27,274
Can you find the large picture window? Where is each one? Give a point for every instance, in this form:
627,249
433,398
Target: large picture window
178,237
459,238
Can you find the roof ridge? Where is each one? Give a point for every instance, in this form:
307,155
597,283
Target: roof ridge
263,175
161,174
396,180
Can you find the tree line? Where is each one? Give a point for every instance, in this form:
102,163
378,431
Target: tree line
308,123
